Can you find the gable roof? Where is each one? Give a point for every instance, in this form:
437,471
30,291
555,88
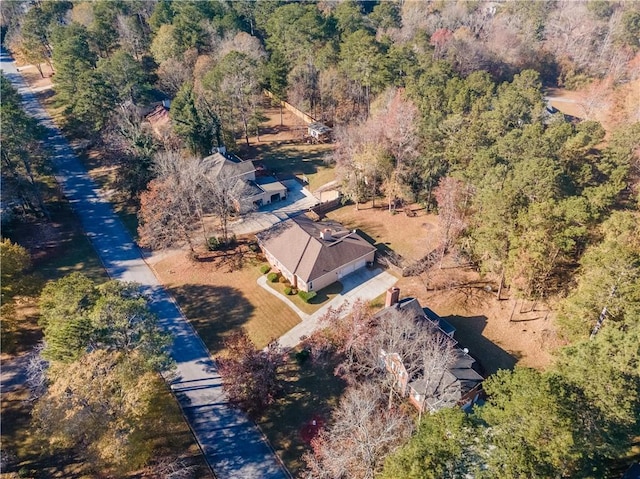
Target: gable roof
298,245
459,378
228,165
412,307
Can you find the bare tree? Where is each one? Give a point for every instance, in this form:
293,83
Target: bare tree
249,375
362,434
424,351
454,199
173,207
37,368
174,468
227,196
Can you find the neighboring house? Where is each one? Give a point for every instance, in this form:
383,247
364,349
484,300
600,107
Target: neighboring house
262,190
460,385
160,121
313,255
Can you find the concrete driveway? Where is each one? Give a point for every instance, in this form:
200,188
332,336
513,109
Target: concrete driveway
232,445
364,284
298,200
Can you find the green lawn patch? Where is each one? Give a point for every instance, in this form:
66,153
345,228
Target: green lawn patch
322,297
309,391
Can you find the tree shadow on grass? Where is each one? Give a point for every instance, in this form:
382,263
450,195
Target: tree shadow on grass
309,390
215,311
286,158
490,356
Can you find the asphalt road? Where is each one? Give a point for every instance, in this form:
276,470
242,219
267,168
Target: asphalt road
233,446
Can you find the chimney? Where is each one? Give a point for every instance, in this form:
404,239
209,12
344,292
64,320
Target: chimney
325,234
393,295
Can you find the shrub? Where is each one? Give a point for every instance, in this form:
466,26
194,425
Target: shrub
214,243
307,296
265,268
288,291
273,277
302,356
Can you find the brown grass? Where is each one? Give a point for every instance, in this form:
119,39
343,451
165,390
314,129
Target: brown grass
485,325
220,294
411,237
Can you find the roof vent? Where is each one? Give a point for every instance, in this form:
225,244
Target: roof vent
325,234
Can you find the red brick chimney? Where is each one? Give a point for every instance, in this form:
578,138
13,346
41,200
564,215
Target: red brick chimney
393,295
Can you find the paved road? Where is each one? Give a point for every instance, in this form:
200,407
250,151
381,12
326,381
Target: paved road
13,373
233,445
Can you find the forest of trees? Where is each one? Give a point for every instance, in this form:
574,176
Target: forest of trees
436,102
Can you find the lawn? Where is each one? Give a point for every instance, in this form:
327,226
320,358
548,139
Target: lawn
309,390
220,295
322,298
300,160
411,237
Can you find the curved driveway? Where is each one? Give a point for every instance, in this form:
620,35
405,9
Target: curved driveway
233,446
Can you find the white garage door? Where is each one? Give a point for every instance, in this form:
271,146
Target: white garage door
351,268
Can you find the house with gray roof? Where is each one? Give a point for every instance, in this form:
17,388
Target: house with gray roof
261,190
459,385
312,255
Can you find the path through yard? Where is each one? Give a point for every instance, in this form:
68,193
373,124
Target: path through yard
232,445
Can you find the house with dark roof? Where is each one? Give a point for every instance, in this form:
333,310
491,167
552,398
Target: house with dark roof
261,190
459,385
313,255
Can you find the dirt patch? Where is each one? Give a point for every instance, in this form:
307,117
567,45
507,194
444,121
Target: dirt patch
281,126
410,236
33,78
602,101
499,334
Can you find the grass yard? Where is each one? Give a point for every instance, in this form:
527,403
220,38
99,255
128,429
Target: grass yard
300,160
323,297
411,237
282,149
309,390
219,295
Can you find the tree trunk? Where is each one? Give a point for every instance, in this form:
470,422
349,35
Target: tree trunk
500,285
513,310
246,130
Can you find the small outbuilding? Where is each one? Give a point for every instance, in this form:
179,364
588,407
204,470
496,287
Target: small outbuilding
319,132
